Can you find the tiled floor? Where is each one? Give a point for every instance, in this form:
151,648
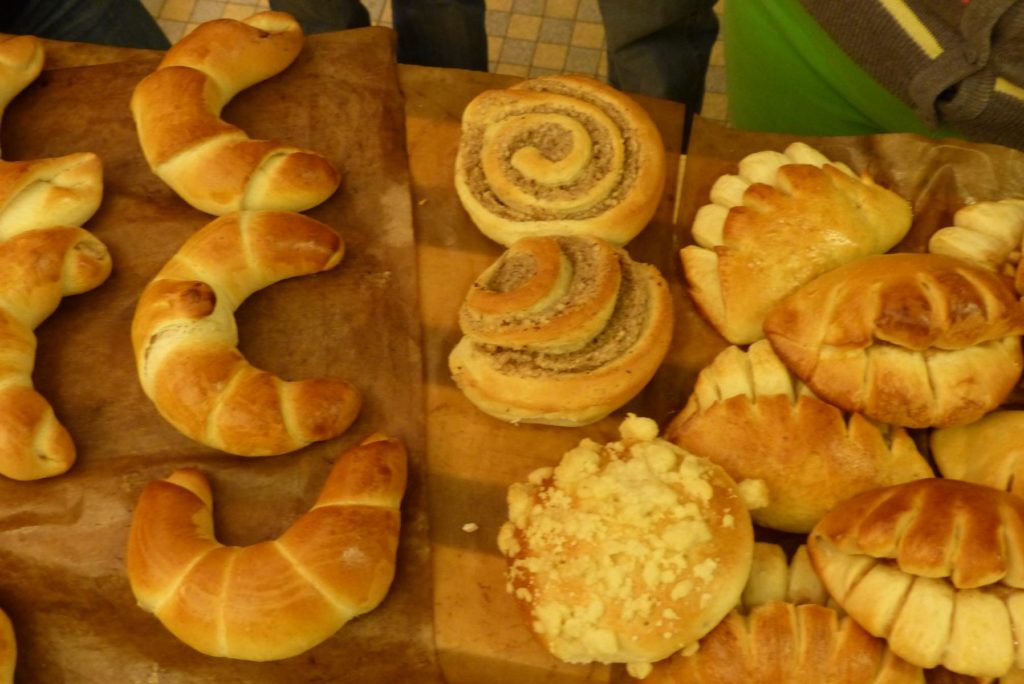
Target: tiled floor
525,37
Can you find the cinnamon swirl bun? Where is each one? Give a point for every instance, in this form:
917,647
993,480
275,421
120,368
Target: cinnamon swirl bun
559,155
561,331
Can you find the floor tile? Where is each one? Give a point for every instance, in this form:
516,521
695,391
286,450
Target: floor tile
523,27
714,81
499,5
496,22
588,11
516,52
512,69
582,60
561,9
153,6
172,28
207,10
177,10
588,34
553,30
535,7
550,55
237,10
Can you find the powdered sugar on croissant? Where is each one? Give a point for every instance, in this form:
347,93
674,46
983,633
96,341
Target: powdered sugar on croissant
782,220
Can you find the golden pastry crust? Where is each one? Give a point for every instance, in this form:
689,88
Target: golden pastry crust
572,354
918,340
278,598
211,164
782,220
936,567
8,650
559,155
751,416
988,451
628,551
989,234
186,341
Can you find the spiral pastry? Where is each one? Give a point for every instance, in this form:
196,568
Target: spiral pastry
560,155
562,331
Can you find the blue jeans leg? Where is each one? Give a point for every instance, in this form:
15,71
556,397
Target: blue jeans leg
318,16
660,47
122,23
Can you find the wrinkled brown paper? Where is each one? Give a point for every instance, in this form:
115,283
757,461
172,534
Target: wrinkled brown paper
62,541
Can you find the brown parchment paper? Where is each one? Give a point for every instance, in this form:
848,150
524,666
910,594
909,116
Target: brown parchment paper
481,635
62,541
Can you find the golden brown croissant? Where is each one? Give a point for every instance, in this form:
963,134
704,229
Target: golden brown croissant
8,649
561,331
21,61
987,451
211,164
38,268
559,155
782,220
936,567
990,234
185,337
919,340
59,191
278,598
752,417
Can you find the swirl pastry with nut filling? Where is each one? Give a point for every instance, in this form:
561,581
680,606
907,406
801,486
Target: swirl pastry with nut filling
783,219
751,416
559,155
936,567
561,331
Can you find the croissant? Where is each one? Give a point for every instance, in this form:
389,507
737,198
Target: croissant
989,234
918,340
935,566
8,650
21,61
277,598
559,155
752,417
38,268
561,331
782,220
211,164
185,337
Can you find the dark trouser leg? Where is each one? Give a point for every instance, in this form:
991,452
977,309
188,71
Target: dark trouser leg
318,16
123,23
442,33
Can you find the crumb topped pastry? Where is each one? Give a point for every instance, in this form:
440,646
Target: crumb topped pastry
628,551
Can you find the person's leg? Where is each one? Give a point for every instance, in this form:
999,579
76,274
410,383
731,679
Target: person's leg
123,23
442,33
660,47
318,16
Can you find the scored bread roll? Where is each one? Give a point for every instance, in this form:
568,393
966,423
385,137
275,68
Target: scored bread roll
783,219
274,599
559,155
786,631
752,417
918,340
561,331
211,164
185,337
38,268
627,551
988,451
59,191
8,649
989,234
935,566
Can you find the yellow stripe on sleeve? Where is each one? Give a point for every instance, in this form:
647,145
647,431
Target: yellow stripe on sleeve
913,27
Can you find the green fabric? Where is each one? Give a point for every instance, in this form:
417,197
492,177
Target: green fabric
785,75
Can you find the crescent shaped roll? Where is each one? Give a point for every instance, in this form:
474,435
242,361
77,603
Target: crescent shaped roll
988,451
38,268
782,220
211,164
278,598
21,61
918,340
559,155
752,417
8,650
185,338
561,331
935,566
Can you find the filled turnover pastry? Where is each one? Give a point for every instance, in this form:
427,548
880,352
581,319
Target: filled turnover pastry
919,340
783,219
936,567
627,551
561,331
559,155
